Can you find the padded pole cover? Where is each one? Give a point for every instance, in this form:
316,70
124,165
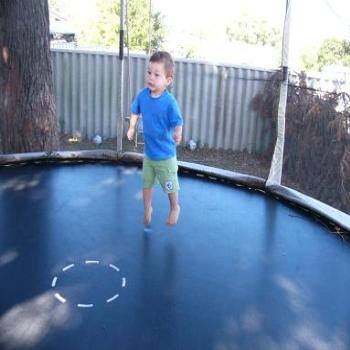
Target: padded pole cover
275,174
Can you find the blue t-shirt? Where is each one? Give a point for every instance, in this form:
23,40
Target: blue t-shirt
160,115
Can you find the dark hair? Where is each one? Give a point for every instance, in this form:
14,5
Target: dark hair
165,58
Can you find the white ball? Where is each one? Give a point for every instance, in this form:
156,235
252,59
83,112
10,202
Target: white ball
97,140
191,145
78,135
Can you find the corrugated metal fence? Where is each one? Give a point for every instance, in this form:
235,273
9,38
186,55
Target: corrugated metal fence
215,99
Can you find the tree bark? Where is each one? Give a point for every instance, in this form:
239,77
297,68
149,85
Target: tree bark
27,109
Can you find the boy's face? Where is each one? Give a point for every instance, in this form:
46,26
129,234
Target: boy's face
157,81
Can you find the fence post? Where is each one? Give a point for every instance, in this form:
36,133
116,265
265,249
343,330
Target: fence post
121,80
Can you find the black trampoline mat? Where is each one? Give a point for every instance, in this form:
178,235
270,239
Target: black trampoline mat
239,271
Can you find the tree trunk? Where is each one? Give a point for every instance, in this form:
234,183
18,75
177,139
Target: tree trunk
27,109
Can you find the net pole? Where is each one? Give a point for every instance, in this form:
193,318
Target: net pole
275,174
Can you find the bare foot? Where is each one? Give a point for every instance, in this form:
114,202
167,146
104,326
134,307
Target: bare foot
173,216
148,216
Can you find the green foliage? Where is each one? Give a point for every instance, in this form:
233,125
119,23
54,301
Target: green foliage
104,29
256,31
158,32
333,51
191,52
309,60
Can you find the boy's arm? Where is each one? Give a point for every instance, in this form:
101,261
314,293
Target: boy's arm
178,134
132,126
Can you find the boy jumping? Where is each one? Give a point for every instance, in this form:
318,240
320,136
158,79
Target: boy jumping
162,129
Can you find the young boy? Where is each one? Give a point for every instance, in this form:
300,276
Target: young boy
162,130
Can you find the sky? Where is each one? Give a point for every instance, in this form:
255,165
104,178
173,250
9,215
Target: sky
309,17
312,21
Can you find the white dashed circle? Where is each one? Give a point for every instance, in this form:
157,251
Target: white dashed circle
62,299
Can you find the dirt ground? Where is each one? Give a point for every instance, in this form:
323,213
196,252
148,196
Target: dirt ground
241,162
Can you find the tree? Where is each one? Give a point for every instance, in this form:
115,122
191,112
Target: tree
333,51
255,31
103,30
27,109
158,32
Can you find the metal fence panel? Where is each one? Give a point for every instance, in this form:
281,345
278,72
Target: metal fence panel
214,99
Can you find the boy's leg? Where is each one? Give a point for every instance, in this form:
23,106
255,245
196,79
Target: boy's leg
148,183
147,203
166,171
174,208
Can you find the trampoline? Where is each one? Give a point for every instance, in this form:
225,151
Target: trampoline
241,270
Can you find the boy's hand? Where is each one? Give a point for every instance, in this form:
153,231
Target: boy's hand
178,135
130,134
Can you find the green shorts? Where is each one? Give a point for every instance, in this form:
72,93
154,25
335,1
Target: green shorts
163,172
